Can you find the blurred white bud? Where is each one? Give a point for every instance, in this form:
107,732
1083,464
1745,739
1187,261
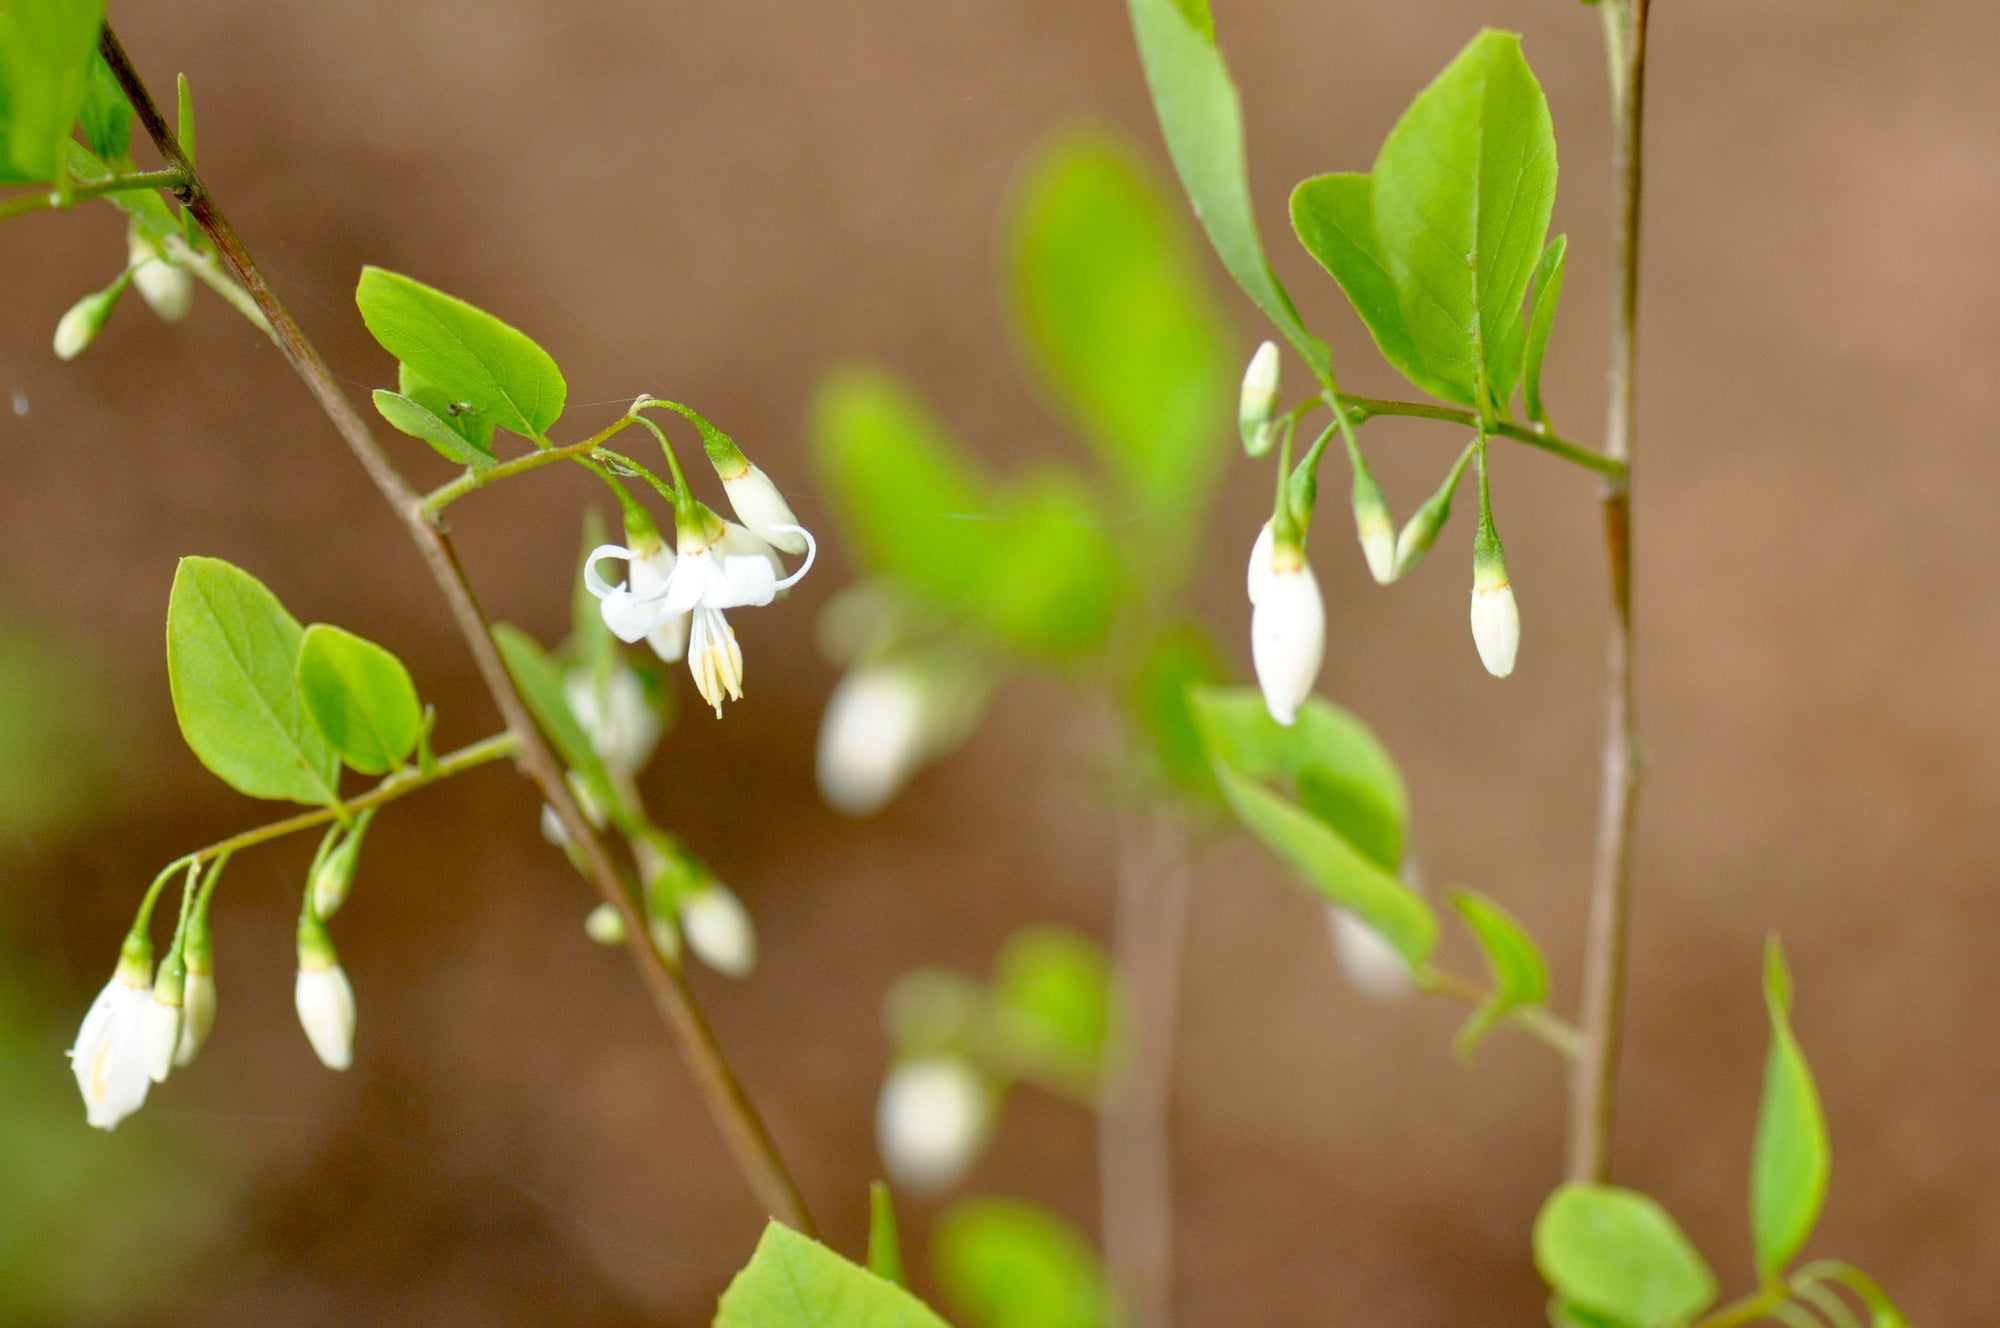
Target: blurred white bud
1287,625
620,722
605,925
109,1058
1496,619
873,738
1259,399
324,997
167,289
932,1121
85,319
763,510
552,827
719,930
1374,967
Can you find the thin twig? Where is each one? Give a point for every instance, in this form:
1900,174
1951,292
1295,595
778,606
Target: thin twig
47,200
1593,1083
727,1102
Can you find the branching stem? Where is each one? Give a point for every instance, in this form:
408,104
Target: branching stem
1358,410
49,200
728,1104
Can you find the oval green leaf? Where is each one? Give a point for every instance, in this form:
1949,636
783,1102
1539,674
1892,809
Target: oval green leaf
45,51
464,352
1616,1252
793,1281
407,416
360,697
540,681
1793,1158
232,658
1520,977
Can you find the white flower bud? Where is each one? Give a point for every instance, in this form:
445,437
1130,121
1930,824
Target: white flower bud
197,1014
169,290
1259,399
161,1031
719,930
1496,619
324,999
109,1059
761,508
932,1120
1374,967
873,738
552,827
605,925
615,714
1287,626
1378,543
85,319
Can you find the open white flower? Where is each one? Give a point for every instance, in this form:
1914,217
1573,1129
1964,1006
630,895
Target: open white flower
109,1058
613,710
733,570
932,1120
1287,624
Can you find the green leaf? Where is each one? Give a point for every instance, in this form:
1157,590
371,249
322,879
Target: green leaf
1007,1263
1119,322
1464,186
469,355
885,1246
1548,294
1615,1252
1562,1314
45,53
360,697
461,417
1515,962
1179,659
795,1282
407,416
1052,1007
1334,216
232,656
1345,834
541,682
106,115
1792,1159
1201,118
1030,564
184,124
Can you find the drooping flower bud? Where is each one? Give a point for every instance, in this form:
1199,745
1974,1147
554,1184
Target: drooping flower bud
197,1009
719,931
932,1121
167,289
165,1016
1373,967
334,874
109,1058
323,996
86,318
1374,527
605,925
873,738
615,714
1422,529
763,510
1496,619
1258,402
1287,624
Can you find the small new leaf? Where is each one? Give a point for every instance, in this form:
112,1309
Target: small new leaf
466,353
232,655
1548,294
1520,977
1616,1253
1792,1159
885,1245
360,697
408,416
793,1281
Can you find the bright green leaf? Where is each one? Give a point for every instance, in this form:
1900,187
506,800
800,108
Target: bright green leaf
1179,659
1792,1160
469,423
407,416
46,47
795,1282
466,353
1119,322
1334,216
885,1246
1515,962
1562,1314
540,680
1548,294
1615,1252
1201,118
1052,1007
184,124
1464,186
232,655
105,114
1007,1263
360,697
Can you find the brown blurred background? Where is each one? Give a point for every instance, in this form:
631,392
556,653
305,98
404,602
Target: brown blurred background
714,201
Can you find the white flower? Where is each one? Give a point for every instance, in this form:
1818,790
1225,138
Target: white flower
932,1120
874,736
719,930
763,510
614,712
161,1028
735,570
1287,625
1259,398
109,1058
1496,619
325,1002
197,1013
168,289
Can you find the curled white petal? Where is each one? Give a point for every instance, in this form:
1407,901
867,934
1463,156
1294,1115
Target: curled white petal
931,1122
812,552
719,930
872,738
1288,640
593,580
109,1058
325,1001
